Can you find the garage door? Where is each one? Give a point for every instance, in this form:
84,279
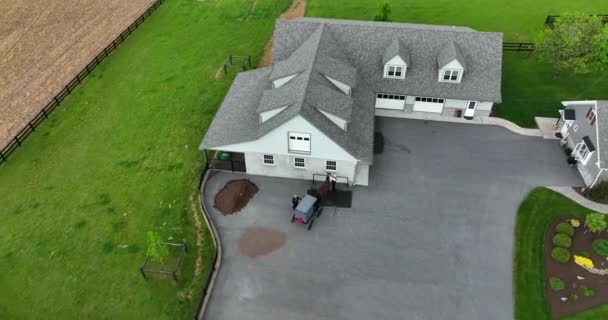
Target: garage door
390,101
428,104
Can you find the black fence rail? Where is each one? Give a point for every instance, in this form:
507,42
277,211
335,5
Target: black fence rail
30,127
518,46
550,20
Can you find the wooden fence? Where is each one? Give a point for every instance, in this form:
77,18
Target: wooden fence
550,20
31,126
518,46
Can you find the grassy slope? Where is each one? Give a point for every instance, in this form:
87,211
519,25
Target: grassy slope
117,159
528,86
541,207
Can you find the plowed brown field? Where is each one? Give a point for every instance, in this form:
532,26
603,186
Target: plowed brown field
44,44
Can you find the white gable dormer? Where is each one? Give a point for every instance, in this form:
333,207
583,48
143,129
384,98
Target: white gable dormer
341,86
270,113
335,119
451,72
395,68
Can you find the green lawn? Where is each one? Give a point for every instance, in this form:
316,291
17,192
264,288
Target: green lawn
539,209
529,88
120,158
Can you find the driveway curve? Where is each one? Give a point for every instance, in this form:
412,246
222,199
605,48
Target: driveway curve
430,238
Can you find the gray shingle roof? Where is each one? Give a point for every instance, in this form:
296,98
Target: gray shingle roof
351,52
448,53
396,48
365,43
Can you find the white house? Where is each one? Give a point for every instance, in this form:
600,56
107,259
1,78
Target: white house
312,111
583,127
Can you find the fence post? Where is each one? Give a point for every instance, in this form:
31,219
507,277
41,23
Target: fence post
2,156
17,140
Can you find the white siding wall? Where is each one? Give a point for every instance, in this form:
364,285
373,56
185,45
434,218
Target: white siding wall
275,142
337,120
456,104
362,175
410,99
270,113
280,82
485,106
284,168
343,87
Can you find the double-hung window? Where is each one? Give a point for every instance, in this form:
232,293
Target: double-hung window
451,75
394,71
331,165
299,162
269,160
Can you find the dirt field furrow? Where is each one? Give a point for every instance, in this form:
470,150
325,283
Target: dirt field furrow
44,44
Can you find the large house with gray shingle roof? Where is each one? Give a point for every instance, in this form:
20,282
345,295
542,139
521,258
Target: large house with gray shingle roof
312,111
583,128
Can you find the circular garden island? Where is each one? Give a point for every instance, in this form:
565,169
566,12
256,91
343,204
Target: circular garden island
576,264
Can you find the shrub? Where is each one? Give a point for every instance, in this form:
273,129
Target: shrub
599,193
556,284
587,292
562,240
564,227
585,254
596,222
574,297
575,223
560,255
384,12
600,247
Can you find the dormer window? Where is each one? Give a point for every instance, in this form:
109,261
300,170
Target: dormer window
394,71
451,75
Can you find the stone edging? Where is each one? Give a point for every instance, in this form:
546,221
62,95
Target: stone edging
571,194
218,247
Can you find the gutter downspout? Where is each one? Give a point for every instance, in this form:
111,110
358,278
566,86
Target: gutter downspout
597,178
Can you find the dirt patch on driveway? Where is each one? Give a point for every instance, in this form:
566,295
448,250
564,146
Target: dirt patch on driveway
260,241
296,10
234,196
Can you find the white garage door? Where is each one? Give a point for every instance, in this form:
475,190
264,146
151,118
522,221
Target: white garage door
390,101
428,104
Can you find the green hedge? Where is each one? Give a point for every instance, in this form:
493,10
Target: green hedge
560,255
600,247
565,227
562,240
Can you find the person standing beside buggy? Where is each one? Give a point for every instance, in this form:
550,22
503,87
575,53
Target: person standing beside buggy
295,200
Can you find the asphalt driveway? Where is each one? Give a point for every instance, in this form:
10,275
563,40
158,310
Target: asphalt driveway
430,238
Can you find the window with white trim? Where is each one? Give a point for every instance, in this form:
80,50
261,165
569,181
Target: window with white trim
431,100
331,165
591,116
269,159
390,96
451,75
299,162
394,71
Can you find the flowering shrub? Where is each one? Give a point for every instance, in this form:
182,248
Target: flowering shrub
583,262
575,223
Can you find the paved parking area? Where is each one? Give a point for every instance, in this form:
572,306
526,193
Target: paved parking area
430,238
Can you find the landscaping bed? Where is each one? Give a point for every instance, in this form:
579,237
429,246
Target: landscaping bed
570,288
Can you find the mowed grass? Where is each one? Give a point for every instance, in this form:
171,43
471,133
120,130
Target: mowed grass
529,87
539,209
120,158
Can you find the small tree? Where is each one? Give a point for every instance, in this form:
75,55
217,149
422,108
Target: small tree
157,251
596,222
577,42
384,12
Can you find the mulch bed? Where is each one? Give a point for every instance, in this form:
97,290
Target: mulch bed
234,196
569,271
260,241
580,191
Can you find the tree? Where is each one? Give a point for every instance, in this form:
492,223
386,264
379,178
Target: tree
157,251
596,222
384,12
577,42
